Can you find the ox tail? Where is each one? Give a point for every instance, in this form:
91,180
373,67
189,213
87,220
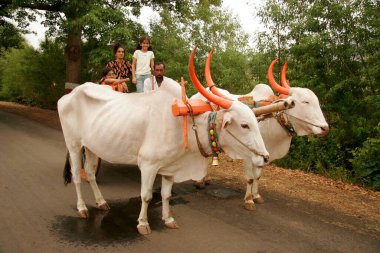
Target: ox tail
67,170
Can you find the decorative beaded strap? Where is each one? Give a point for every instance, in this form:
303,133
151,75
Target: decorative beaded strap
285,123
213,136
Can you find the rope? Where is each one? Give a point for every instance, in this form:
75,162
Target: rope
242,143
307,122
195,129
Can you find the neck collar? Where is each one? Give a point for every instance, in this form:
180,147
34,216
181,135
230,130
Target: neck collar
216,149
285,123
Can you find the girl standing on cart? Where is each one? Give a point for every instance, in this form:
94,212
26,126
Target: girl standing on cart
143,62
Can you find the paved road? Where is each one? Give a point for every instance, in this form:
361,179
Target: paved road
38,211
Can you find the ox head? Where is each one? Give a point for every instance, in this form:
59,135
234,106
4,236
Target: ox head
239,134
306,117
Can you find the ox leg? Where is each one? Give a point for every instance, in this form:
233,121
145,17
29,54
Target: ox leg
201,184
255,186
147,180
90,167
252,196
166,193
76,160
248,198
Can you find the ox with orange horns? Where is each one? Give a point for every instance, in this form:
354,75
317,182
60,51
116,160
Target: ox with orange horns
140,129
304,118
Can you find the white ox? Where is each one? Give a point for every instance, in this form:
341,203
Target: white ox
140,129
305,118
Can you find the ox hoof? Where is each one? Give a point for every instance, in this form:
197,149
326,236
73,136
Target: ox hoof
104,207
258,200
172,224
250,206
84,214
200,185
144,229
208,181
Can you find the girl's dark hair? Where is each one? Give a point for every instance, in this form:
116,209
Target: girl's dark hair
116,47
106,70
142,40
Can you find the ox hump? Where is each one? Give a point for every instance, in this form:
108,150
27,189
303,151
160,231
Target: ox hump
97,92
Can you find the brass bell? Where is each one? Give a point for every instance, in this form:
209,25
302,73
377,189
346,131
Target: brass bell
215,161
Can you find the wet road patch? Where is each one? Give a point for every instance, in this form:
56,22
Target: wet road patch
221,192
116,226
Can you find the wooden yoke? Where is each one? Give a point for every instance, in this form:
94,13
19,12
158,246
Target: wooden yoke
187,107
276,107
198,106
249,100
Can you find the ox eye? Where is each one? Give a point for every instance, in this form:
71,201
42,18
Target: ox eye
305,102
245,126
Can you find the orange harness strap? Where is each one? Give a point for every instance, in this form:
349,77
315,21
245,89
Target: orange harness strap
184,100
181,108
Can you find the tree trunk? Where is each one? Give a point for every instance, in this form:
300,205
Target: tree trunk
73,58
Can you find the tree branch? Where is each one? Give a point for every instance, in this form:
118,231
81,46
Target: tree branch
55,7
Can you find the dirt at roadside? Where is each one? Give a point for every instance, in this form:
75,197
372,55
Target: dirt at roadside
47,117
346,198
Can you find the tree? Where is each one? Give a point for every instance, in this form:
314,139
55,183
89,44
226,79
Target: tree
207,25
33,76
75,19
333,49
10,37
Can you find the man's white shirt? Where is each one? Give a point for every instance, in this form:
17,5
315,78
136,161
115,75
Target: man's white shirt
148,84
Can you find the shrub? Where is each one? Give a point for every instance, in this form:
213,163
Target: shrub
366,161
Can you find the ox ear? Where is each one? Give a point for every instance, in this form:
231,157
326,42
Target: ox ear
227,118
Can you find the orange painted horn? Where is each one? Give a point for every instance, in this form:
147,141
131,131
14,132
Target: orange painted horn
273,83
284,82
211,97
209,80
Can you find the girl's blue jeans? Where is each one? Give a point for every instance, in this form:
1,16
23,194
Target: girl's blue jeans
140,82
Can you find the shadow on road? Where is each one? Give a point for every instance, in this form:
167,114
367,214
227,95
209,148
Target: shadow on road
116,226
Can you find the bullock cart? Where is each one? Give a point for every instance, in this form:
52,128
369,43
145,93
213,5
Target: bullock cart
101,121
262,110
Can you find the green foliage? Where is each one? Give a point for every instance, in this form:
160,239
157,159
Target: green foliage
10,37
317,155
366,162
33,77
73,20
333,49
181,26
97,51
204,25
